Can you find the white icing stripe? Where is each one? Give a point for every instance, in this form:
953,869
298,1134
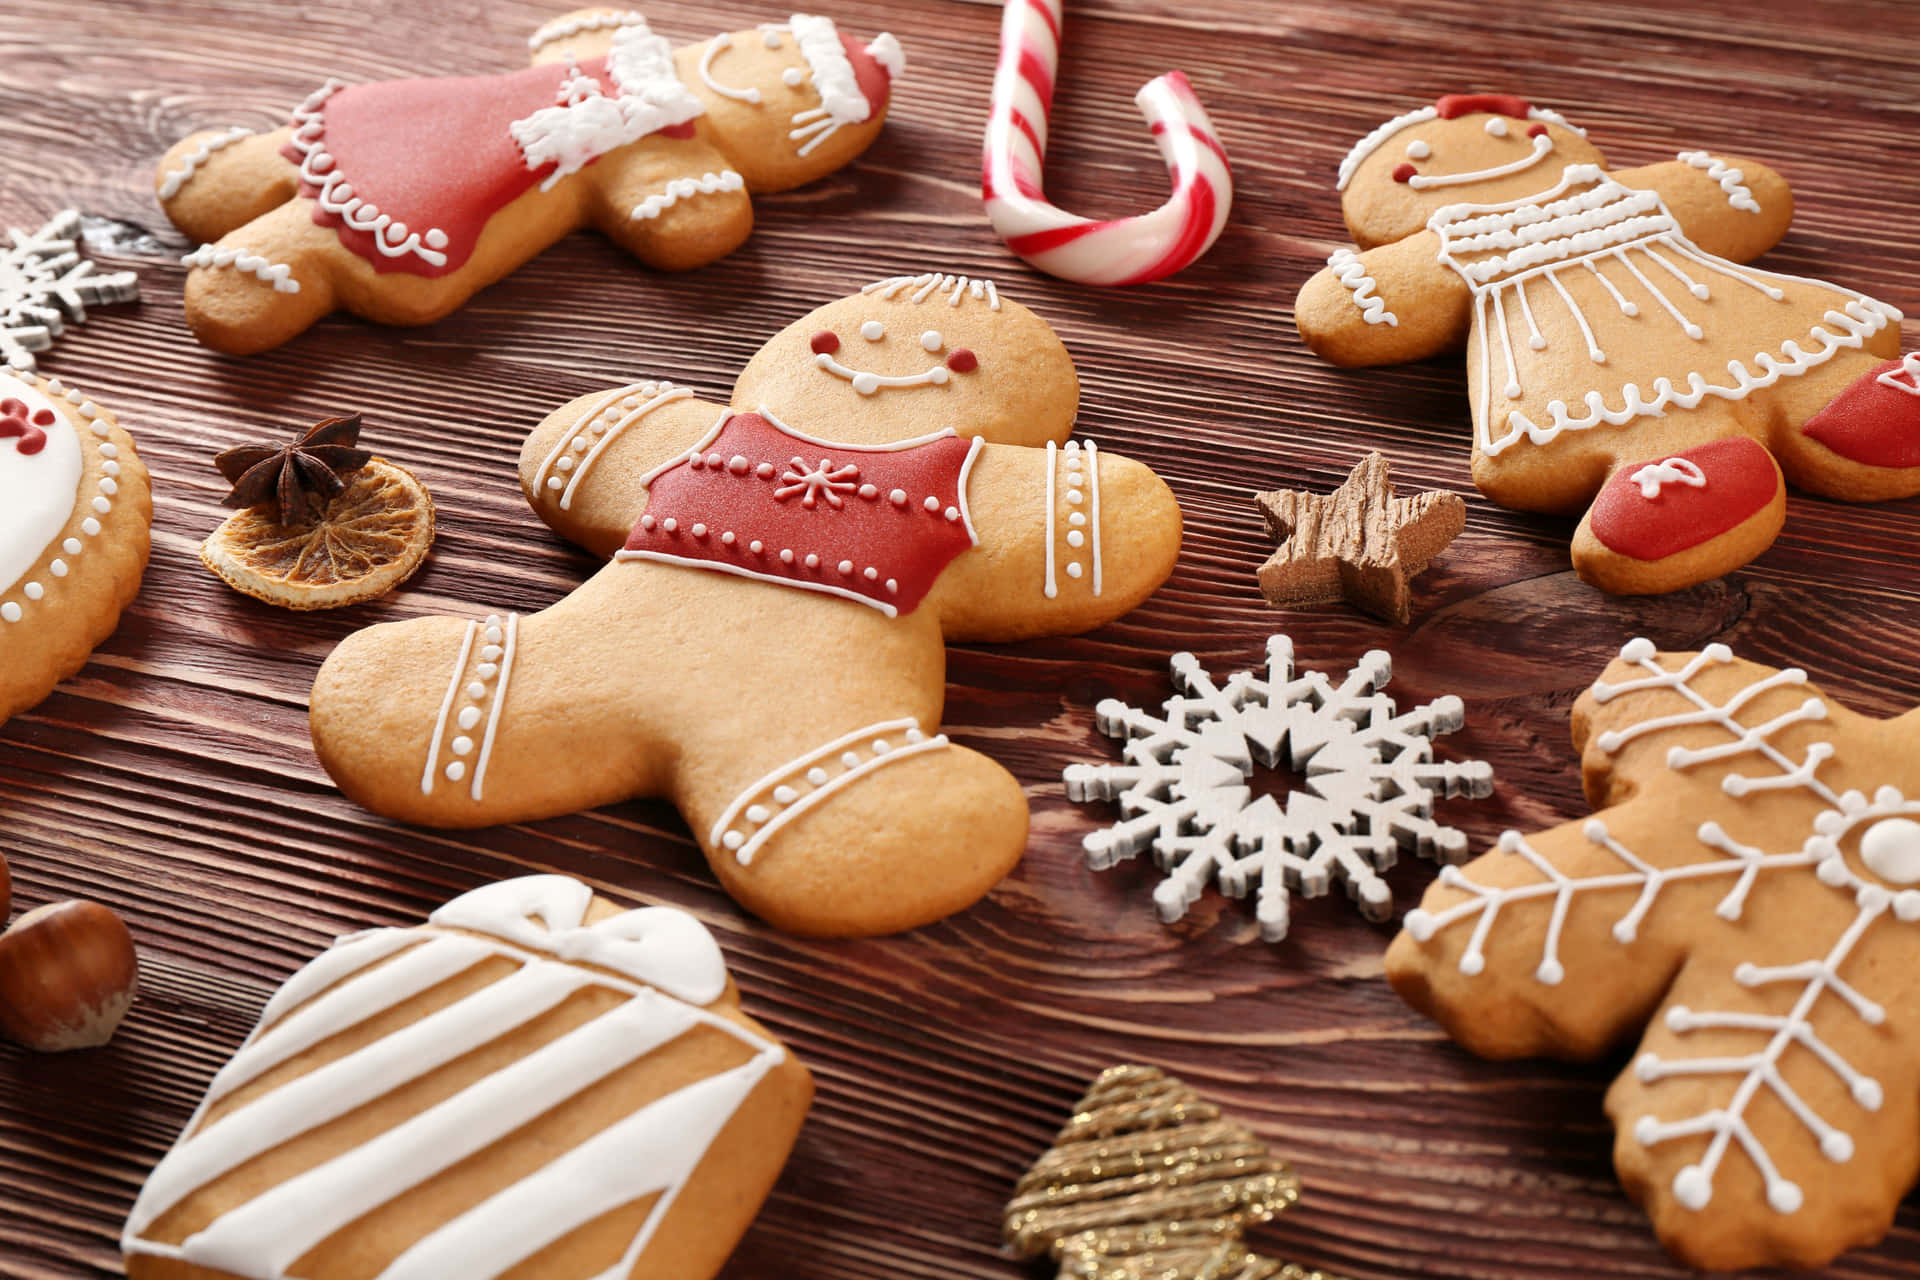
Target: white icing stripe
1082,470
567,28
499,705
347,956
919,288
1352,274
715,46
1051,586
608,417
839,782
1908,369
191,162
1093,471
1739,195
1656,475
324,1095
432,772
685,189
799,766
319,170
277,274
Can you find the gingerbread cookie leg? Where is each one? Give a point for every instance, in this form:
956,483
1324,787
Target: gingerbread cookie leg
218,180
1851,429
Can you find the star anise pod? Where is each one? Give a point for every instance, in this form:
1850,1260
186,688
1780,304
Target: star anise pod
313,469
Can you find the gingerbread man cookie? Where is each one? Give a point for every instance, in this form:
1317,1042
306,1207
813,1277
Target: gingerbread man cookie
535,1082
1619,361
1745,902
74,517
767,646
398,201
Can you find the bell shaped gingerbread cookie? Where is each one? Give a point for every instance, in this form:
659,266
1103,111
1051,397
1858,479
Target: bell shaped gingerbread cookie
1747,904
398,201
1620,360
533,1083
767,645
74,516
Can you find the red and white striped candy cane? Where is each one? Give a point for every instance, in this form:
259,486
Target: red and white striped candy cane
1117,251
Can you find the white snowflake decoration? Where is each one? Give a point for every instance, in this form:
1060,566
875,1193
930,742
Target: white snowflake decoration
45,284
1371,785
1890,847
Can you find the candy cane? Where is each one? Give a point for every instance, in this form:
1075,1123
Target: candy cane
1120,250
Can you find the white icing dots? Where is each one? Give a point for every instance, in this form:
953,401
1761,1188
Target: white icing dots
932,341
10,612
1497,127
1418,150
493,643
873,331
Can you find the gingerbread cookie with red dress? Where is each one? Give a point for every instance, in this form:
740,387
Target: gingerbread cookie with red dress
767,645
1621,360
400,200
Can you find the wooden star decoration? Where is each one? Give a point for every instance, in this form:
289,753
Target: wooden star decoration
1359,543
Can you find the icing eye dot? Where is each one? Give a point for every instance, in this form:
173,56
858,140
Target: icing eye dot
1536,131
825,342
932,340
1418,150
793,77
872,331
1404,173
1497,127
963,361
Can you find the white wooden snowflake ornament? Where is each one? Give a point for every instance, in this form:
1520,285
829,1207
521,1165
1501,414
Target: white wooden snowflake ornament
1371,783
45,284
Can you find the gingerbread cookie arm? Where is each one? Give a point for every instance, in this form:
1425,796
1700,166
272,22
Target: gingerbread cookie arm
1385,306
1068,537
216,181
1730,207
264,283
674,203
584,468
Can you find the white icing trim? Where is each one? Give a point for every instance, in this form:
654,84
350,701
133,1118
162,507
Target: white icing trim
1542,147
213,257
446,705
1373,141
741,571
191,162
1082,482
1093,472
1739,195
809,768
318,169
1051,587
486,699
1909,368
885,49
714,47
867,383
604,420
499,704
833,77
685,189
566,28
1352,274
957,288
587,124
1655,475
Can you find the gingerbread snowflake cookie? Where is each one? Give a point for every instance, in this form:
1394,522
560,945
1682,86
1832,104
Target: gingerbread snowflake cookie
400,200
1371,784
533,1082
74,517
1620,360
767,645
1746,902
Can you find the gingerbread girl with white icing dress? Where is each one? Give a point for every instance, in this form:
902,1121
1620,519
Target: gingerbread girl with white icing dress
400,200
767,645
1620,360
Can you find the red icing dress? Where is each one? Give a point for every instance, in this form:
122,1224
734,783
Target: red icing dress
408,172
873,523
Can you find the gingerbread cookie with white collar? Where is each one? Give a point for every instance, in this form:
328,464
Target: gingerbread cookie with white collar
400,200
766,646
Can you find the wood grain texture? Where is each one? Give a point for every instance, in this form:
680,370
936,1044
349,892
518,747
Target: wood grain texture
173,778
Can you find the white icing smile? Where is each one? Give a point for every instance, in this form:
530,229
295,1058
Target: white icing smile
867,383
1542,145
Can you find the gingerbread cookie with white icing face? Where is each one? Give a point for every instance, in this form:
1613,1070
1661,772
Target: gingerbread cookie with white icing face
400,200
767,646
74,517
533,1083
1747,904
1620,361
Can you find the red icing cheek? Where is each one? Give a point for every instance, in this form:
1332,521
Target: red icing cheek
963,361
1404,173
825,342
44,418
1654,509
1536,131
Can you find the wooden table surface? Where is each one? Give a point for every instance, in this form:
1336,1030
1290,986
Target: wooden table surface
173,778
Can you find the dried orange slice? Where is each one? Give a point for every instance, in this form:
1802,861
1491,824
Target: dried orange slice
361,545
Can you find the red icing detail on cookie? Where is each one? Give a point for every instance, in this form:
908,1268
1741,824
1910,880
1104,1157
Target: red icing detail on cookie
875,84
1403,172
1876,420
874,522
825,342
1454,105
963,361
1536,130
1697,494
436,154
18,426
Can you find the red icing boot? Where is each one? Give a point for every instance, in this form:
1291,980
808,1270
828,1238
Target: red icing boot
1661,507
1875,421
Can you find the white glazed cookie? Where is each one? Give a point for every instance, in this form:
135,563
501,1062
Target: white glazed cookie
767,646
1620,360
400,200
535,1082
74,517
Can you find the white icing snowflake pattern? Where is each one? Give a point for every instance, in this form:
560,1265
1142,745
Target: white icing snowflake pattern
45,284
810,484
1889,844
1371,783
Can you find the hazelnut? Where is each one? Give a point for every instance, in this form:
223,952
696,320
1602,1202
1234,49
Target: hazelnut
67,974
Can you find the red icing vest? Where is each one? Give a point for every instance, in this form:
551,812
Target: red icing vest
436,158
874,523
